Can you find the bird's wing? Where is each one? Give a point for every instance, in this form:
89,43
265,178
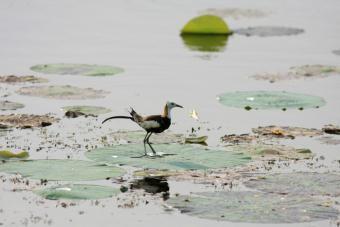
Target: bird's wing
152,121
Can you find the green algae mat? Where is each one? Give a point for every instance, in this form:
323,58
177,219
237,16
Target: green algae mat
77,69
77,192
298,183
62,170
253,207
175,157
270,100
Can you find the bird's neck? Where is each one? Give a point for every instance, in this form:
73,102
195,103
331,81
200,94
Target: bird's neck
166,112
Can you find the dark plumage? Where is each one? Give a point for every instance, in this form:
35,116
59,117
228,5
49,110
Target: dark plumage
151,124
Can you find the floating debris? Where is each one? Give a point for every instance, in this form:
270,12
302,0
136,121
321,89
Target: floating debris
239,139
304,184
77,69
61,170
75,111
286,131
9,155
12,79
331,129
267,31
77,192
258,207
194,115
235,13
152,185
62,92
198,140
270,100
8,105
26,121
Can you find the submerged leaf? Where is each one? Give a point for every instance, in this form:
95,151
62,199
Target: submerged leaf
176,157
77,191
253,207
65,170
8,155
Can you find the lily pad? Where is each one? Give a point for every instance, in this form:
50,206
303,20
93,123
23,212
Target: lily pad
12,79
286,131
4,155
62,92
235,13
205,43
298,184
61,170
87,110
266,31
176,157
26,121
253,207
270,100
77,192
7,105
77,69
206,25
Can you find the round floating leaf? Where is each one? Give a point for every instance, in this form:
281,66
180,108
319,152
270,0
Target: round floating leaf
270,100
87,110
62,92
176,157
253,207
7,105
206,25
63,170
266,31
77,69
77,191
205,43
298,184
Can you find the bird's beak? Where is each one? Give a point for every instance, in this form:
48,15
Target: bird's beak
179,106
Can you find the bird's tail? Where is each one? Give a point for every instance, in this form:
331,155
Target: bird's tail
118,117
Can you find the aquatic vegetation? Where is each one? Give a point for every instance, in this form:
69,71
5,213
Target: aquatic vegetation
4,155
77,192
206,25
270,100
266,31
174,157
253,207
77,69
13,79
62,92
61,170
298,184
235,13
8,105
87,110
26,121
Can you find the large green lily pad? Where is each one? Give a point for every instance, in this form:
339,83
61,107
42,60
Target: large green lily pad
62,92
205,43
7,105
77,69
62,170
270,100
206,25
77,192
266,31
87,110
253,207
176,157
298,184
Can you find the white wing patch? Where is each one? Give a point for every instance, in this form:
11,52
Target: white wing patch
149,124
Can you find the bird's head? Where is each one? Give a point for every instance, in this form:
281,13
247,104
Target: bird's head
172,105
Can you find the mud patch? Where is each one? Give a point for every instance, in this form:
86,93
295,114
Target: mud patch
77,69
298,184
235,13
62,92
151,184
26,121
258,207
7,105
268,31
286,131
12,79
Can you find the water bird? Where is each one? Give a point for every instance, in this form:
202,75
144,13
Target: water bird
151,124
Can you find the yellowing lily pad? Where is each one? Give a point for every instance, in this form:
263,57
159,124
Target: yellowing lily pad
175,157
7,105
270,100
77,69
206,25
77,192
87,110
61,170
253,207
301,183
8,155
62,92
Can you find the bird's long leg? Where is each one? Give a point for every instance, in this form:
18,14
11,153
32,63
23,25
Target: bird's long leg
145,141
148,142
